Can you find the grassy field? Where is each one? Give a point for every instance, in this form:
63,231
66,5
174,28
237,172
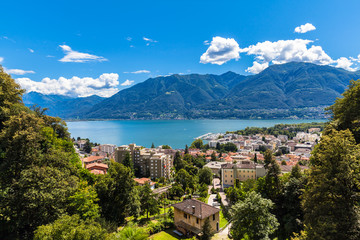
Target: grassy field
223,220
166,235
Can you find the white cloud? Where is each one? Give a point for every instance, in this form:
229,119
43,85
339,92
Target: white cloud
149,40
18,71
305,28
105,85
1,59
127,82
74,56
139,71
257,67
345,63
31,50
129,38
284,51
220,51
206,42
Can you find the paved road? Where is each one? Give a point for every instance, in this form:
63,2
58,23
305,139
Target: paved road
223,235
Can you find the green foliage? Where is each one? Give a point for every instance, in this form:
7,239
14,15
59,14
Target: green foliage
197,143
205,176
185,179
207,231
346,110
152,145
84,202
131,232
127,162
331,198
176,191
71,228
165,147
87,146
252,218
149,204
289,130
114,191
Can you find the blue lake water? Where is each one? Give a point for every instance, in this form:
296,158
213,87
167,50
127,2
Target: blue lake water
175,133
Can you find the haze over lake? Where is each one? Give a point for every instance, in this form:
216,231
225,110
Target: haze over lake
175,133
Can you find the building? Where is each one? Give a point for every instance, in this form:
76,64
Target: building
97,168
190,216
148,162
92,159
107,148
242,171
143,181
215,167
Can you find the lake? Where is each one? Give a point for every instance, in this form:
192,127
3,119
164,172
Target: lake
175,133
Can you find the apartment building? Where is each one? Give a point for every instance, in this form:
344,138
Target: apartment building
150,162
107,148
242,171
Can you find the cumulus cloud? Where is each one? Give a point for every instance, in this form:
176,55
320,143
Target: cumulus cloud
345,63
127,82
31,50
139,71
305,28
105,85
257,67
74,56
220,51
18,71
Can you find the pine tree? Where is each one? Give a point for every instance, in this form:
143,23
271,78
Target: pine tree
207,231
128,161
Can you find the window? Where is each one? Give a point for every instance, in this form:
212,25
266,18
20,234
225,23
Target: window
197,221
185,216
225,180
214,217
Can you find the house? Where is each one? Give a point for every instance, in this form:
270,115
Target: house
190,216
92,159
97,168
143,181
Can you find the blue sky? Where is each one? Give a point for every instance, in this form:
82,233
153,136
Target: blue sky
80,48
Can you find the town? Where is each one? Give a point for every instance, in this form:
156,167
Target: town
229,159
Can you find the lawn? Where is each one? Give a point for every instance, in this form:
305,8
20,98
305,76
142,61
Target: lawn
223,220
166,235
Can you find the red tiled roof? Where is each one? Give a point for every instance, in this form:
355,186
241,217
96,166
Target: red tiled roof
92,158
142,180
97,165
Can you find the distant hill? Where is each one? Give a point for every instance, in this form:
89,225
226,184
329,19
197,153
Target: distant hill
62,106
281,91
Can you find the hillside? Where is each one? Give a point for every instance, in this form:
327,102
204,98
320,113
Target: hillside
62,106
281,91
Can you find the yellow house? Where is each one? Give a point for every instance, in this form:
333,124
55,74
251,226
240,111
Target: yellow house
190,216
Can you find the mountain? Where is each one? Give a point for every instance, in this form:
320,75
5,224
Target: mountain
62,106
291,90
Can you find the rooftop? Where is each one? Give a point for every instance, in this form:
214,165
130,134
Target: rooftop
202,210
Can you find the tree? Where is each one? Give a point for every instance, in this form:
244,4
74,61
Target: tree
114,192
127,162
165,147
152,145
186,149
296,172
148,201
132,232
207,231
213,156
135,206
197,143
346,110
332,194
178,162
71,228
252,218
205,176
268,158
185,179
176,191
87,146
229,147
84,202
255,158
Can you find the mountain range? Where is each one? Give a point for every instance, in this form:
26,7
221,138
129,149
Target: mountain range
291,90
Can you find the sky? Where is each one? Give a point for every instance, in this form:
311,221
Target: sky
80,48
